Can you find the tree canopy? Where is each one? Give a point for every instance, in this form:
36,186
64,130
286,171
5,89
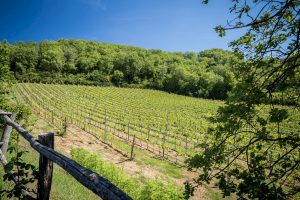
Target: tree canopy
205,74
251,153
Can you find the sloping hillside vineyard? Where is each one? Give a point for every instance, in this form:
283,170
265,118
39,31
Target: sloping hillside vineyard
168,125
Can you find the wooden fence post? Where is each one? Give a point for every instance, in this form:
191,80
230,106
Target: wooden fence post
6,135
45,168
65,125
132,147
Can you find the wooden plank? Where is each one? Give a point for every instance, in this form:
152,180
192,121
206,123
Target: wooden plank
91,180
45,168
5,113
6,134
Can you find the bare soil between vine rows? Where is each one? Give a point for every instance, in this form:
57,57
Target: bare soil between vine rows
76,137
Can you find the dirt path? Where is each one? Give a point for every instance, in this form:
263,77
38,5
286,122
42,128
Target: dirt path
76,137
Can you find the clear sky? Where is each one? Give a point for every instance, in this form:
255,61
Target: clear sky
171,25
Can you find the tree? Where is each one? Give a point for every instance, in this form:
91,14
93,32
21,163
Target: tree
4,72
94,63
217,57
70,55
118,77
23,61
4,61
52,57
130,64
253,149
88,61
105,65
222,87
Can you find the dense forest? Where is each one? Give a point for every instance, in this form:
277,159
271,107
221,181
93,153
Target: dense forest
205,74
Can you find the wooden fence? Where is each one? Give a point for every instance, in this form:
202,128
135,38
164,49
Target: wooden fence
44,146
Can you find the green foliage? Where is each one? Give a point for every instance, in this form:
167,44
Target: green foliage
278,115
24,59
93,63
61,133
148,189
52,57
174,116
5,75
252,153
6,82
156,189
117,77
16,167
25,174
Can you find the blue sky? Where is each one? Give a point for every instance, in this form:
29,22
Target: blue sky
170,25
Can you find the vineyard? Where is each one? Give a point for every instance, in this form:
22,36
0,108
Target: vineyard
167,125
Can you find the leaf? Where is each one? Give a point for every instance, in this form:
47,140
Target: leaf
278,115
220,30
19,154
8,167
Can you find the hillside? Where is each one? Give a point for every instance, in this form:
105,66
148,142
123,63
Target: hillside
168,125
163,130
166,128
205,74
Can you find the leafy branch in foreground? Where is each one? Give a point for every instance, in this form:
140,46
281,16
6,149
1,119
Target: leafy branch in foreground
250,153
23,174
26,174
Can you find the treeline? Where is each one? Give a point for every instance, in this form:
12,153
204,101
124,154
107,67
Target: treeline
205,74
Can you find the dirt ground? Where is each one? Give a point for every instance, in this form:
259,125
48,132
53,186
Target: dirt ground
76,137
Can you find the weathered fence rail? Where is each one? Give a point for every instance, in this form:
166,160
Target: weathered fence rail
91,180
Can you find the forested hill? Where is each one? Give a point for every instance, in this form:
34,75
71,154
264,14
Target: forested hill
205,74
